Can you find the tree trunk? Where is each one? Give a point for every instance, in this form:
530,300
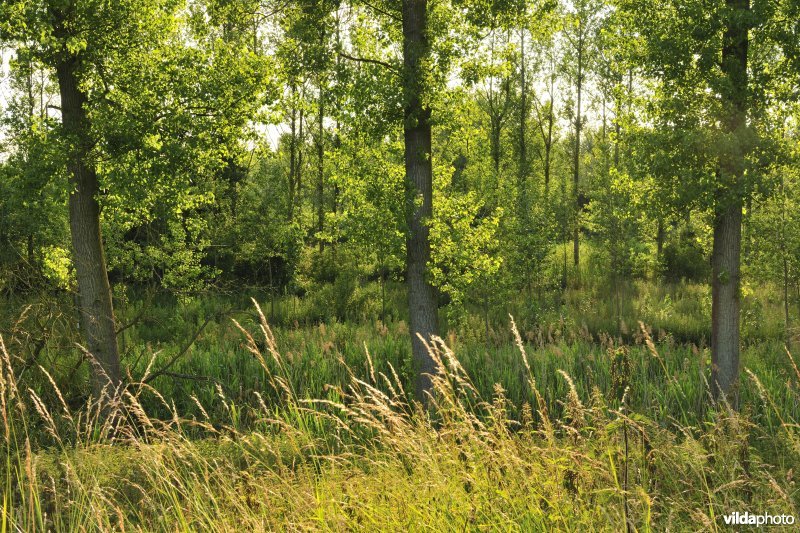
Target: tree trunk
726,257
725,300
383,294
292,158
781,236
96,307
298,170
321,168
617,127
496,129
301,141
797,295
548,141
576,157
523,117
419,191
786,318
547,148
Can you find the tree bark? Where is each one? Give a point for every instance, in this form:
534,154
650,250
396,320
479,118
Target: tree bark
725,300
96,307
419,191
726,257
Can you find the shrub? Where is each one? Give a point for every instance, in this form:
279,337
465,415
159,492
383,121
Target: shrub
685,260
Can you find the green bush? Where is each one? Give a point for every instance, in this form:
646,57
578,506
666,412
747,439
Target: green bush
685,260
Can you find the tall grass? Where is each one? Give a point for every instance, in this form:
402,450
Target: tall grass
573,453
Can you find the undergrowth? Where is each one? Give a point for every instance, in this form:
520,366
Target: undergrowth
362,456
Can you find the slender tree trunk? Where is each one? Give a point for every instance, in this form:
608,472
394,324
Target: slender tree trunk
486,316
271,293
298,171
617,127
797,295
495,122
547,147
383,294
292,158
419,190
786,318
576,158
785,261
548,141
523,118
726,257
96,307
564,231
321,168
496,126
524,199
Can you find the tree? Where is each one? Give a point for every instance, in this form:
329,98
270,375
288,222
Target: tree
423,309
726,255
702,58
131,97
580,25
33,227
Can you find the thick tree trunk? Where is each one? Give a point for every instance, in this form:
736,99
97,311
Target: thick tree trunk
419,191
726,258
725,283
96,307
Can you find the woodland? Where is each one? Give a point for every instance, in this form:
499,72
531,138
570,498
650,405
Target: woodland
399,265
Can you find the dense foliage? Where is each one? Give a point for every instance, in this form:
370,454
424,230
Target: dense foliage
620,176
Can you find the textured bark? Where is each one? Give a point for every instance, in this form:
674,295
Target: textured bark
96,308
419,191
726,258
725,300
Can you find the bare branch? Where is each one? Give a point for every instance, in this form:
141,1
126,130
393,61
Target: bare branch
384,64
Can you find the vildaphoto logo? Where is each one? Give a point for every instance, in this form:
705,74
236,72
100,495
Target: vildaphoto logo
758,520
